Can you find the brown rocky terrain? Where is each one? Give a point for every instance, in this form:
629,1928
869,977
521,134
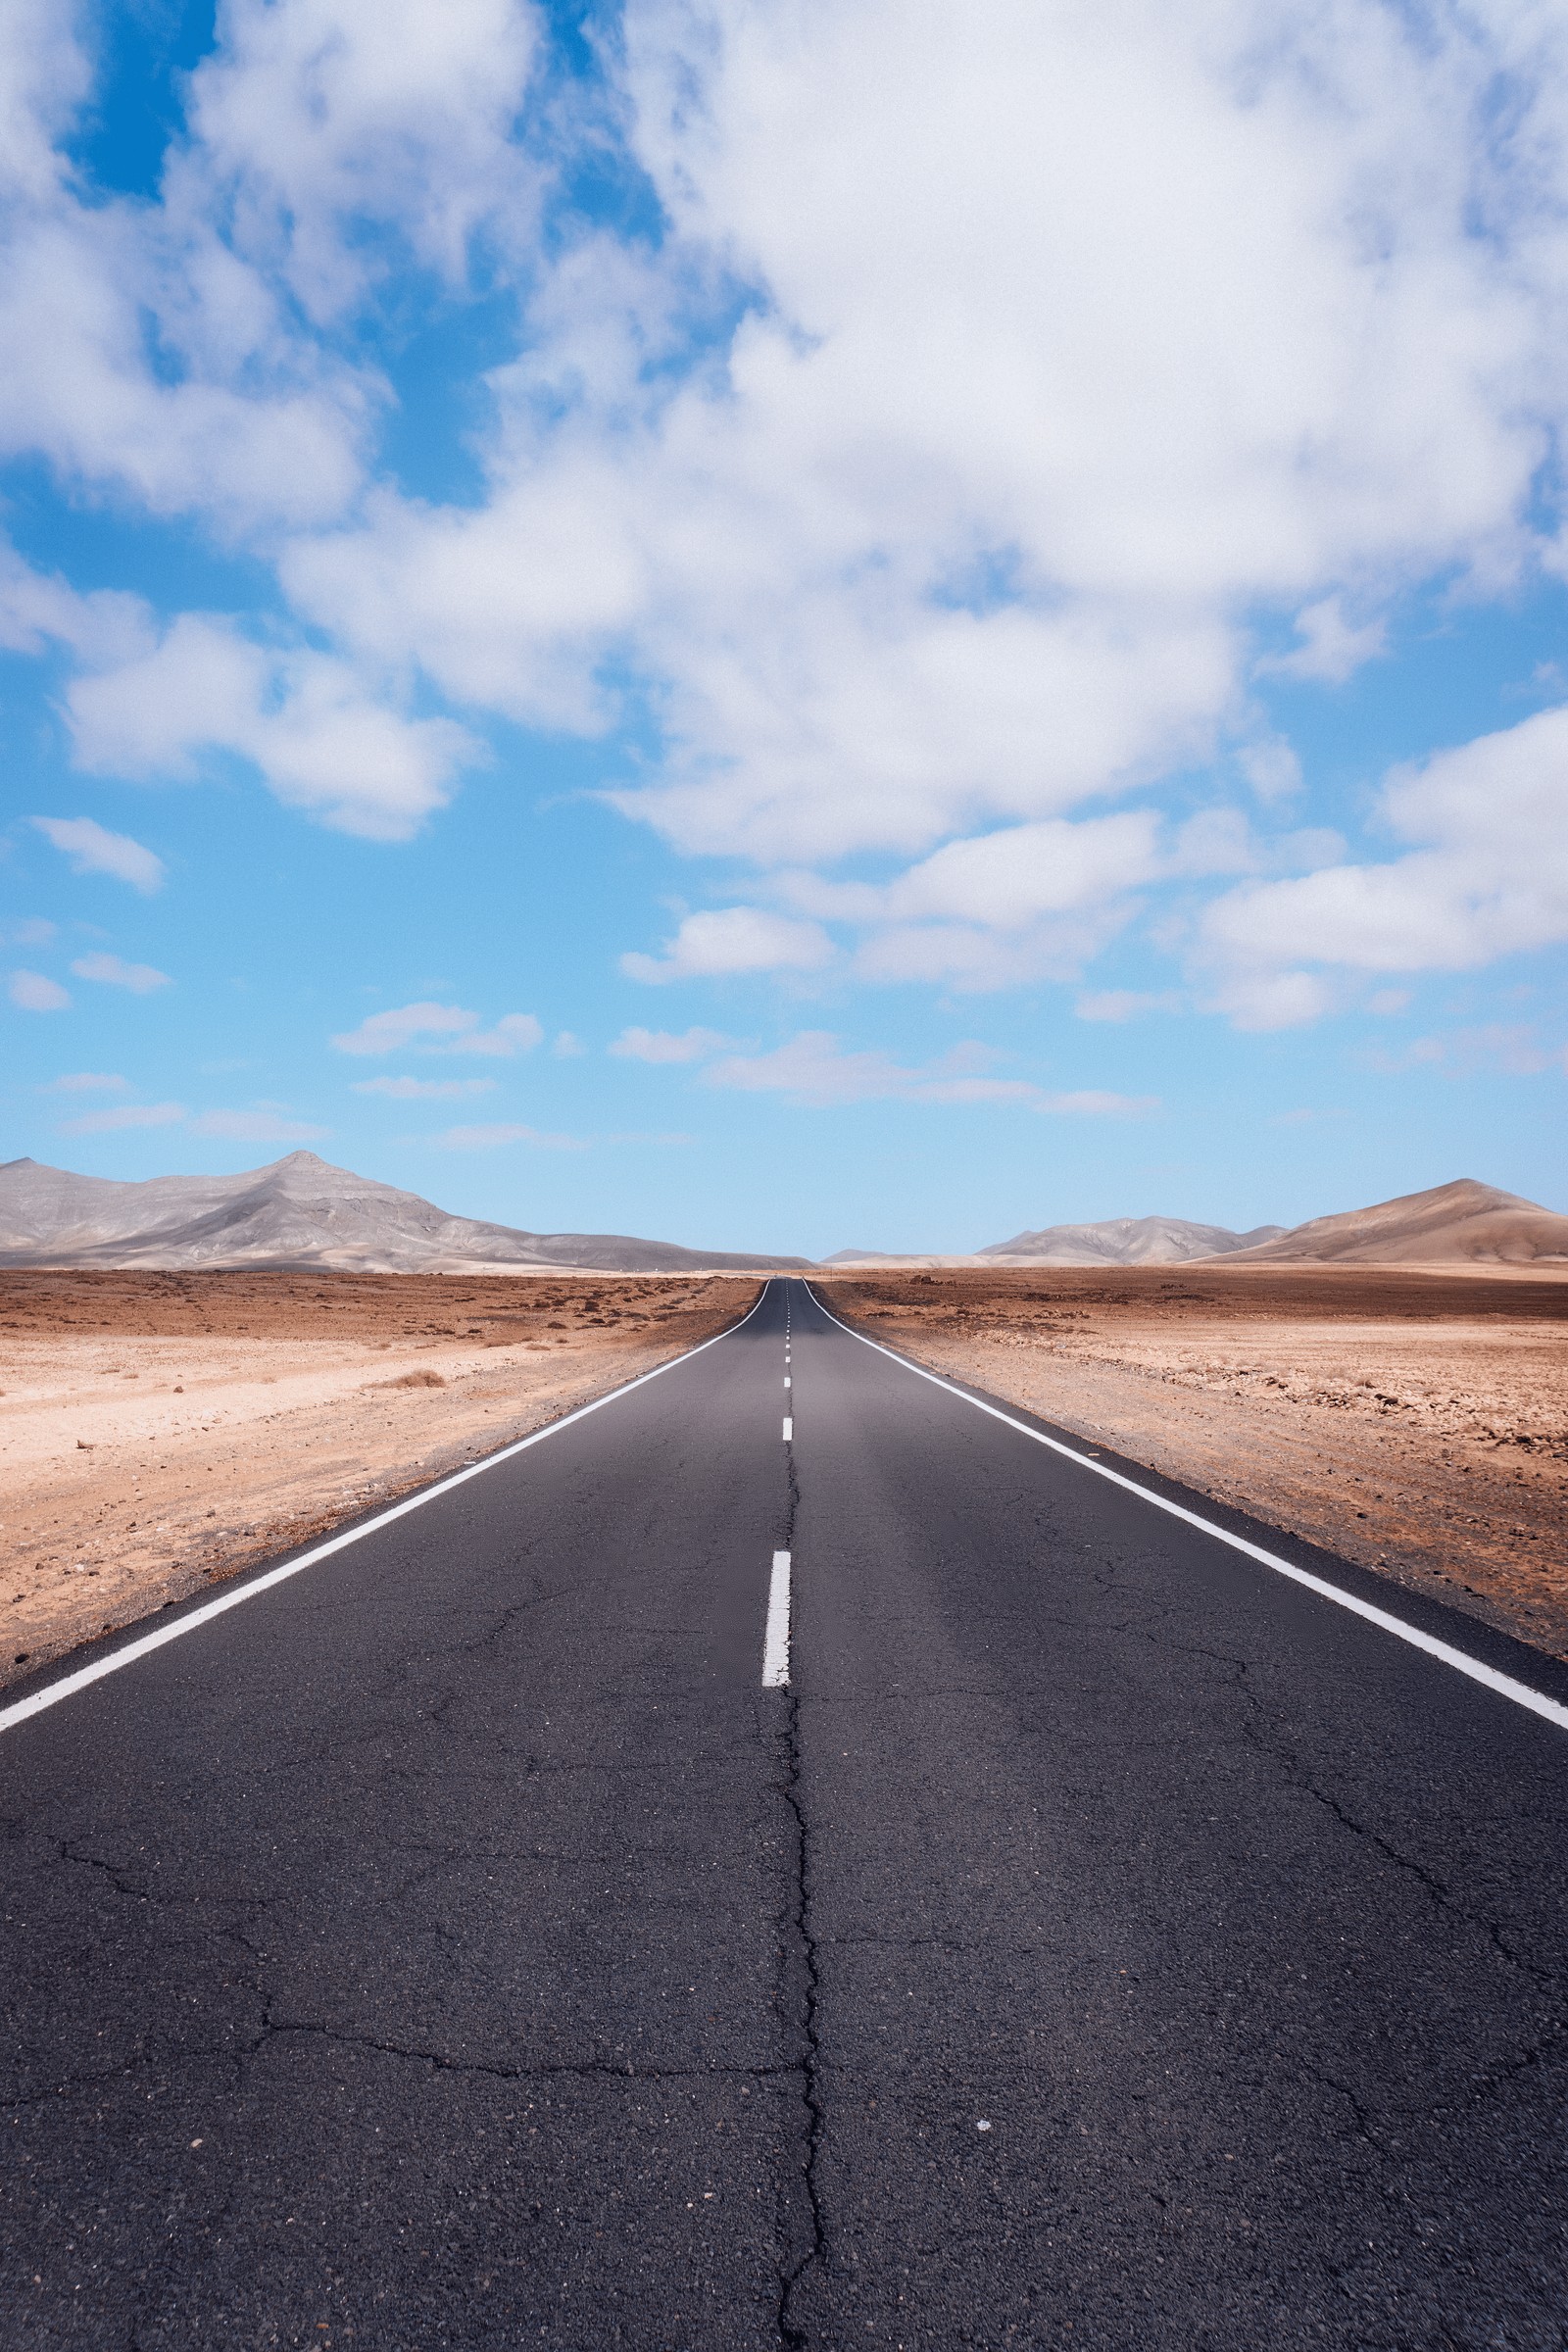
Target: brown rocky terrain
1414,1421
160,1432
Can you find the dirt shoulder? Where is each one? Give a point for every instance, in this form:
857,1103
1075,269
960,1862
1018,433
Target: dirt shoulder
1414,1421
162,1432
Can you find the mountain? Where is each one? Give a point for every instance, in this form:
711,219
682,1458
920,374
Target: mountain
301,1211
1124,1241
1453,1222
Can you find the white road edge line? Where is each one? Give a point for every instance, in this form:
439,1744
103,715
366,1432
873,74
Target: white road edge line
53,1693
776,1640
1505,1684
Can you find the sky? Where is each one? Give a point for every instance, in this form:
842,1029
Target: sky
788,624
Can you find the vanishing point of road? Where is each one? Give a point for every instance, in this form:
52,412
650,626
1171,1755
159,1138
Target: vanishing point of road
770,1865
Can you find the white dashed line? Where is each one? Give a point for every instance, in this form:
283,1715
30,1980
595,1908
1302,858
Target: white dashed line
789,1431
776,1640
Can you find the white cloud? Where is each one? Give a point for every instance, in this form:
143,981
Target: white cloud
1265,1001
1004,906
494,1137
1271,767
1489,876
38,608
215,410
322,115
1513,1047
568,1047
113,972
320,737
812,1068
664,1045
730,940
1331,647
389,1032
92,849
264,1124
430,1028
31,931
88,1082
34,993
514,1033
125,1114
1125,1003
424,1090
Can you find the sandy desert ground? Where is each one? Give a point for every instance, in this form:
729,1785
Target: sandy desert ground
162,1432
1413,1420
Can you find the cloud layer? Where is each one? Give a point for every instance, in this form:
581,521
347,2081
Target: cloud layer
974,417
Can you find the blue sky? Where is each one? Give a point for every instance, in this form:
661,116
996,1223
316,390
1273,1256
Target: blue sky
788,627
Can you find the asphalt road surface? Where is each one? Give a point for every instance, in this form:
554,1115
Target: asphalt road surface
1097,1941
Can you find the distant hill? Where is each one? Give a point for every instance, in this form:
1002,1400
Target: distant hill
1124,1241
1451,1223
300,1211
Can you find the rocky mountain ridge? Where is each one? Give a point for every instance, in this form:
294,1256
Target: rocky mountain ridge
299,1212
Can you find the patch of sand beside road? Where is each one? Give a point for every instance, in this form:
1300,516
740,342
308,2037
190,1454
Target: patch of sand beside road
1414,1421
162,1432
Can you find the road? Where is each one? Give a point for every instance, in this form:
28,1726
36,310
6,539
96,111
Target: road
1098,1941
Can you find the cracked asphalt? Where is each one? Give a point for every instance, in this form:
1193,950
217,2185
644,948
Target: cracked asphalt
1102,1943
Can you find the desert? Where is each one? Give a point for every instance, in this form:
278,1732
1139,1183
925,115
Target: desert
1411,1419
160,1433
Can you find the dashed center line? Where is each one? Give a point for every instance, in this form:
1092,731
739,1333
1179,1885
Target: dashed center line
776,1640
789,1430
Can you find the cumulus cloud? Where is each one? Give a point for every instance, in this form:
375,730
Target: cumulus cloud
92,849
391,1031
323,114
430,1028
730,940
34,992
666,1045
112,971
40,608
813,1068
305,720
1331,647
1488,876
1013,904
514,1033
